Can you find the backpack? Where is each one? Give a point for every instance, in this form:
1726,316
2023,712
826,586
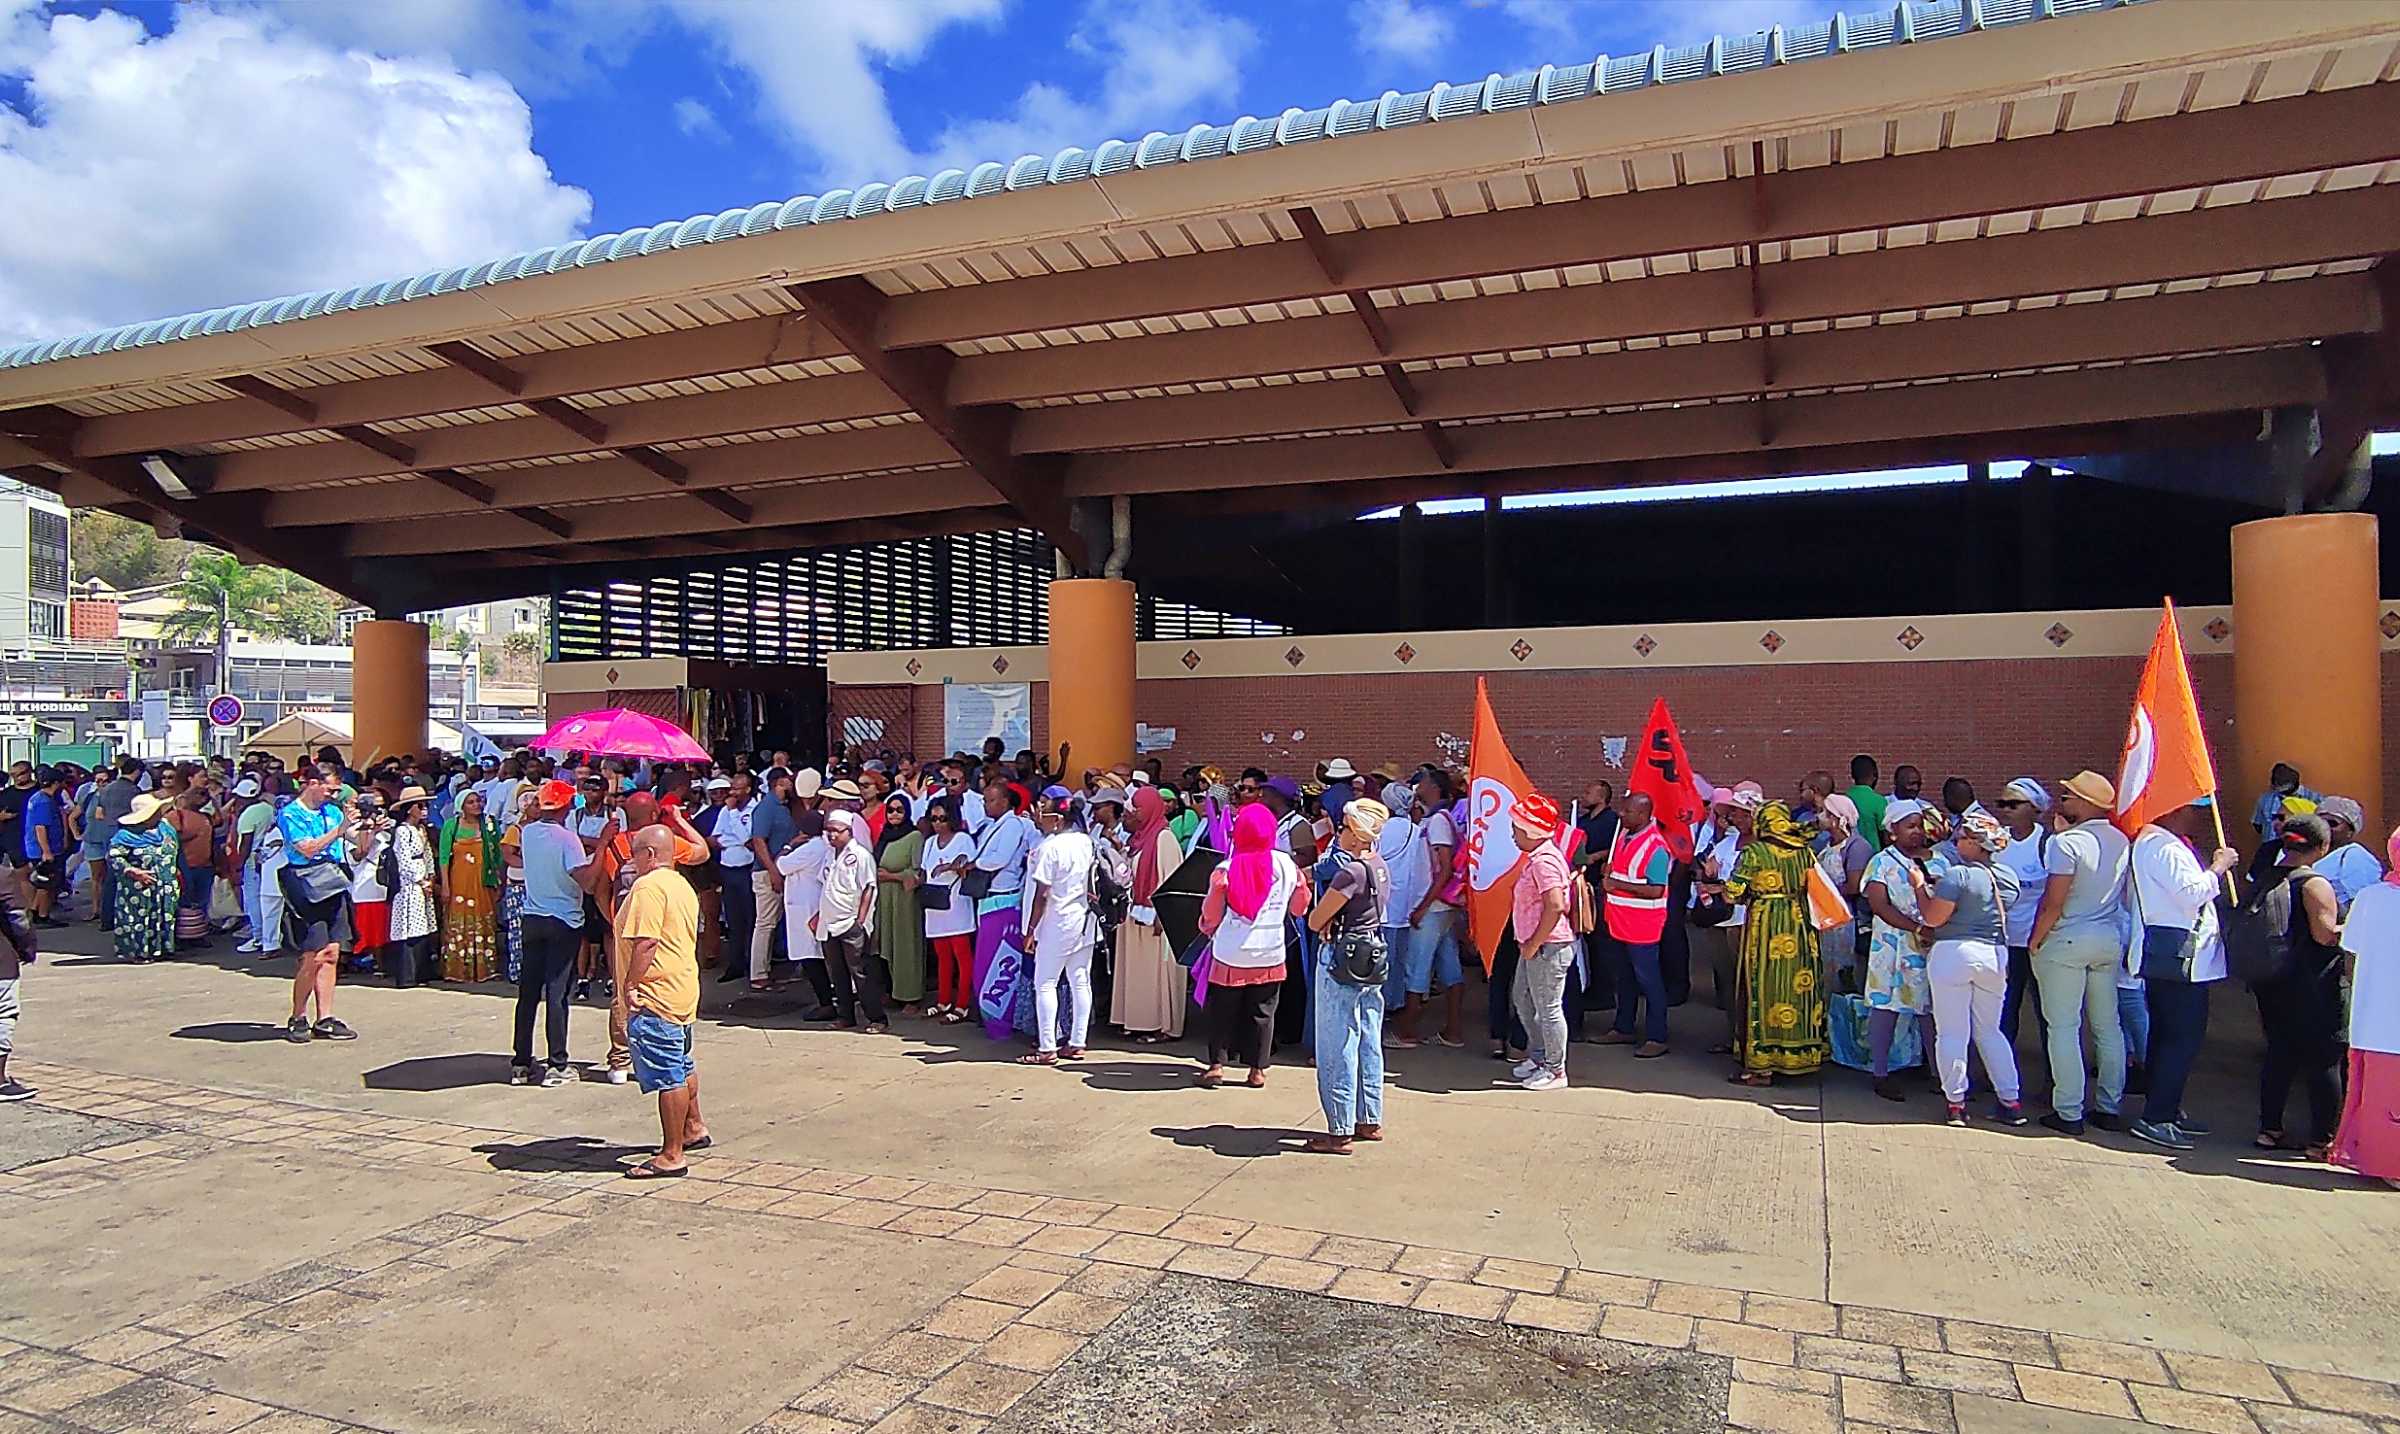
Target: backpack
2258,933
1112,893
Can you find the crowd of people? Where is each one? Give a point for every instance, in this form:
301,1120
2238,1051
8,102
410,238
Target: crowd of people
1860,926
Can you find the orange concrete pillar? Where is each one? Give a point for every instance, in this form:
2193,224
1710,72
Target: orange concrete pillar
1091,671
2307,659
390,693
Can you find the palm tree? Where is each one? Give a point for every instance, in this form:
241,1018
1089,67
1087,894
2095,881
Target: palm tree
219,593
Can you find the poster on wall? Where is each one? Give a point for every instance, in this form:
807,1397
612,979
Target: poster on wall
975,711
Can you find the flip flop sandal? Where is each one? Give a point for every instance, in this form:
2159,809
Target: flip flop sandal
648,1171
1037,1058
703,1143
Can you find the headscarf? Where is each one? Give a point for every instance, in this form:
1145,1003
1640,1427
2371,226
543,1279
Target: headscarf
1149,821
1844,811
2028,790
1365,816
893,830
1776,828
2348,810
1396,797
1984,828
1900,810
1250,871
2391,852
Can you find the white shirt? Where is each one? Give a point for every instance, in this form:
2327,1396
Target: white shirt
1409,873
732,836
2172,888
366,878
2023,855
849,878
1062,868
1000,850
1435,830
1244,941
2373,935
958,918
1727,851
803,869
2352,869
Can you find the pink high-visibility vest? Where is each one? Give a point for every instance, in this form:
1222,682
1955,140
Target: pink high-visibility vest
1638,919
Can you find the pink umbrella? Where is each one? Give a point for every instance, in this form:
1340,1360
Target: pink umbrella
622,732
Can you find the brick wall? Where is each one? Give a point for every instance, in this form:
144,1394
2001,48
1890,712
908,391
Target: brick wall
1986,720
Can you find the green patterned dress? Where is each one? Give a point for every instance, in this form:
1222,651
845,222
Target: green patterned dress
145,915
1783,996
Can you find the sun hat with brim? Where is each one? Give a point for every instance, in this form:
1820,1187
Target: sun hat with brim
409,797
844,790
2091,787
1340,770
145,809
1117,795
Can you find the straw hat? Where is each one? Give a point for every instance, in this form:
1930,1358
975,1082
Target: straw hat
145,809
409,796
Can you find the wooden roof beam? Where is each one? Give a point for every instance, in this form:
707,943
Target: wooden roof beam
852,311
1362,304
2228,383
589,368
2333,130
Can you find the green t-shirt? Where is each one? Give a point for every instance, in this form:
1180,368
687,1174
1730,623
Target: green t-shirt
1870,813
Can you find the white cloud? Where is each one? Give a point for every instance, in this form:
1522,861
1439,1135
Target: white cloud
1400,29
818,68
1161,62
544,48
1576,26
232,158
698,121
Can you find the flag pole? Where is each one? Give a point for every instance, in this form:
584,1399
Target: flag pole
2216,807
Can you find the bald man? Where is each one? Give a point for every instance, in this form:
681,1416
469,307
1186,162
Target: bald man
614,860
658,939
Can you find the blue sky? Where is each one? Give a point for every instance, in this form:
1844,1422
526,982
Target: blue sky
160,158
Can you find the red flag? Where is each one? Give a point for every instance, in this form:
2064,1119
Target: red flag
1662,773
1495,783
2166,762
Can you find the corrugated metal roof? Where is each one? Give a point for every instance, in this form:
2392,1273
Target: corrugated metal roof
1907,22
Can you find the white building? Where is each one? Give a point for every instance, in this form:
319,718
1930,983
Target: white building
33,568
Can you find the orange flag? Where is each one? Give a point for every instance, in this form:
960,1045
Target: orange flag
1494,784
1662,773
2166,763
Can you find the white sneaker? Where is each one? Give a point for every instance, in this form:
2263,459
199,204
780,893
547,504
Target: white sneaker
618,1077
247,948
1523,1070
1545,1080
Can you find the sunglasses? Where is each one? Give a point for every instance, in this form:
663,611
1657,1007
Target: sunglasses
2011,802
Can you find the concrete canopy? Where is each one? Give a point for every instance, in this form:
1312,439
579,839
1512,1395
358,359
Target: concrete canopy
2130,223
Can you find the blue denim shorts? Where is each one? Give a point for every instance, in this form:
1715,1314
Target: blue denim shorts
1429,958
662,1051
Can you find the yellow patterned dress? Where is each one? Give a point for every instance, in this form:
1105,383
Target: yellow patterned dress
1783,996
470,858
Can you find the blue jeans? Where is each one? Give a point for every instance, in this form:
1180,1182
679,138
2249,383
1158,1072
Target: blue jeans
2133,1017
1638,968
1349,1045
1431,954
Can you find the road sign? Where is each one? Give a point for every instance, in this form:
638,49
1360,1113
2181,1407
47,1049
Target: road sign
225,710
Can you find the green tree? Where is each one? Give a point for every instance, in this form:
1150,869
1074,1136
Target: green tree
219,593
124,553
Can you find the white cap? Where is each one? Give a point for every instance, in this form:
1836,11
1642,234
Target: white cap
720,784
1141,778
246,787
840,817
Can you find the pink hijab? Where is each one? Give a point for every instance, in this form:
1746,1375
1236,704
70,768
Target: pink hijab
1250,871
2391,850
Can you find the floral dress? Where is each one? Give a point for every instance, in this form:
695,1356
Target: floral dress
413,914
470,935
145,915
1896,978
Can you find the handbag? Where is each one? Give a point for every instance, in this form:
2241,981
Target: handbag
934,896
975,883
2166,953
1827,907
1714,909
317,882
1354,952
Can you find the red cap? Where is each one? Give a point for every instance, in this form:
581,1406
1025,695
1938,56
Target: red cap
1537,813
555,796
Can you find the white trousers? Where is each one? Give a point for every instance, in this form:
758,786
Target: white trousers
1076,965
1969,978
767,905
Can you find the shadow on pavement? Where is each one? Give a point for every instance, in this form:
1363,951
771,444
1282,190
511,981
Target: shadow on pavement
426,1073
561,1152
237,1033
1237,1142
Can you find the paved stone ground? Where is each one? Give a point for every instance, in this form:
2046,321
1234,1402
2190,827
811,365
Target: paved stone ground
911,1234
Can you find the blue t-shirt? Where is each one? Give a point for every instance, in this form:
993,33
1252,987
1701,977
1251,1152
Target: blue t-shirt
44,813
299,824
551,855
772,823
